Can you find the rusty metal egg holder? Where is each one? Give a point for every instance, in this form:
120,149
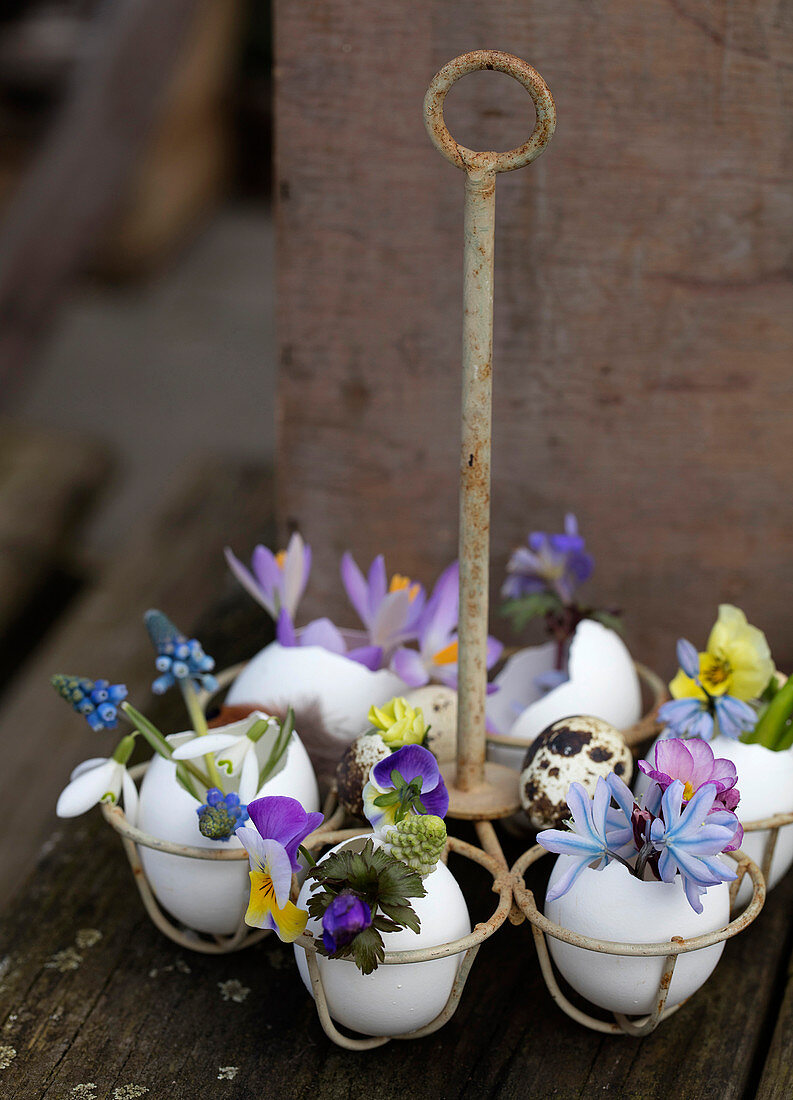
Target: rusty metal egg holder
541,927
465,946
132,836
773,824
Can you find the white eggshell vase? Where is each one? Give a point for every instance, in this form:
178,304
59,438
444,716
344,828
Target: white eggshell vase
208,896
765,781
611,904
398,998
332,690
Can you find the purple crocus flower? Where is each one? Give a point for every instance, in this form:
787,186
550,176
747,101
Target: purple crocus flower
436,657
345,917
556,562
276,581
689,844
407,781
389,612
590,838
323,633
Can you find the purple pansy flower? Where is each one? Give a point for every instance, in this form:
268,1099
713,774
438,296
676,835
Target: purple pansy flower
407,781
280,826
697,716
436,657
389,612
276,581
689,843
345,917
556,562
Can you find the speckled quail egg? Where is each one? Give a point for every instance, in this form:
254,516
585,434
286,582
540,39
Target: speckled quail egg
579,749
352,771
439,706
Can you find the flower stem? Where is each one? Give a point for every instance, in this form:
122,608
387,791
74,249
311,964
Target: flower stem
771,729
148,730
200,726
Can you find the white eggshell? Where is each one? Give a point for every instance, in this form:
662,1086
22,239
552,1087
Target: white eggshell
439,706
765,781
337,691
613,905
208,897
400,998
602,682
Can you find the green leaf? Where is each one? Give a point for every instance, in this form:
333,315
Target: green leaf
280,745
536,605
368,950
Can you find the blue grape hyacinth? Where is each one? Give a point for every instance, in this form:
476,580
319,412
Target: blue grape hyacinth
96,700
179,659
221,815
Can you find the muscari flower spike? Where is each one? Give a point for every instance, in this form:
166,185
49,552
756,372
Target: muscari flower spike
419,842
96,700
179,659
221,815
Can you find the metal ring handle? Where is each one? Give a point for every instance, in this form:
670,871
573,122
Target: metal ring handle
469,159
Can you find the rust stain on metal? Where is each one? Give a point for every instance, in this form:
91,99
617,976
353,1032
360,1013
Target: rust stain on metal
481,168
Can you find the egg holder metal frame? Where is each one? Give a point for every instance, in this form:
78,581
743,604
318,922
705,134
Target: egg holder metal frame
541,927
132,836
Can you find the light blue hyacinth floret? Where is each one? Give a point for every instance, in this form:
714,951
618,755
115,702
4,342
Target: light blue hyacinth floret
96,700
179,659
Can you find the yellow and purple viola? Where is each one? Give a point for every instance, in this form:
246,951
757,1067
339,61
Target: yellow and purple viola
407,782
279,827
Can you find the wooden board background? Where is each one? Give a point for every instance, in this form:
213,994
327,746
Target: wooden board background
644,307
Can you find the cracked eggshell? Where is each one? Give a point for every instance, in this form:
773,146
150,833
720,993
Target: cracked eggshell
439,706
399,998
573,750
352,771
602,681
611,904
765,782
330,690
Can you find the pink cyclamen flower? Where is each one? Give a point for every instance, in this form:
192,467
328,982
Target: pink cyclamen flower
693,763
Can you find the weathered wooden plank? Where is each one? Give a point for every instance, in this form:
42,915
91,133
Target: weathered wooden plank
173,560
136,1010
76,183
47,484
644,306
776,1082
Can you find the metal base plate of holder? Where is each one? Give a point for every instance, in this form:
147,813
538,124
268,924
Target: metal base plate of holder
131,837
626,1025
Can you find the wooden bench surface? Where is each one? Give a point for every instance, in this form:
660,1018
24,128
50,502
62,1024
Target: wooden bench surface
92,993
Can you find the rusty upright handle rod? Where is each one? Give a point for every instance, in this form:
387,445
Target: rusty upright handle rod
474,546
